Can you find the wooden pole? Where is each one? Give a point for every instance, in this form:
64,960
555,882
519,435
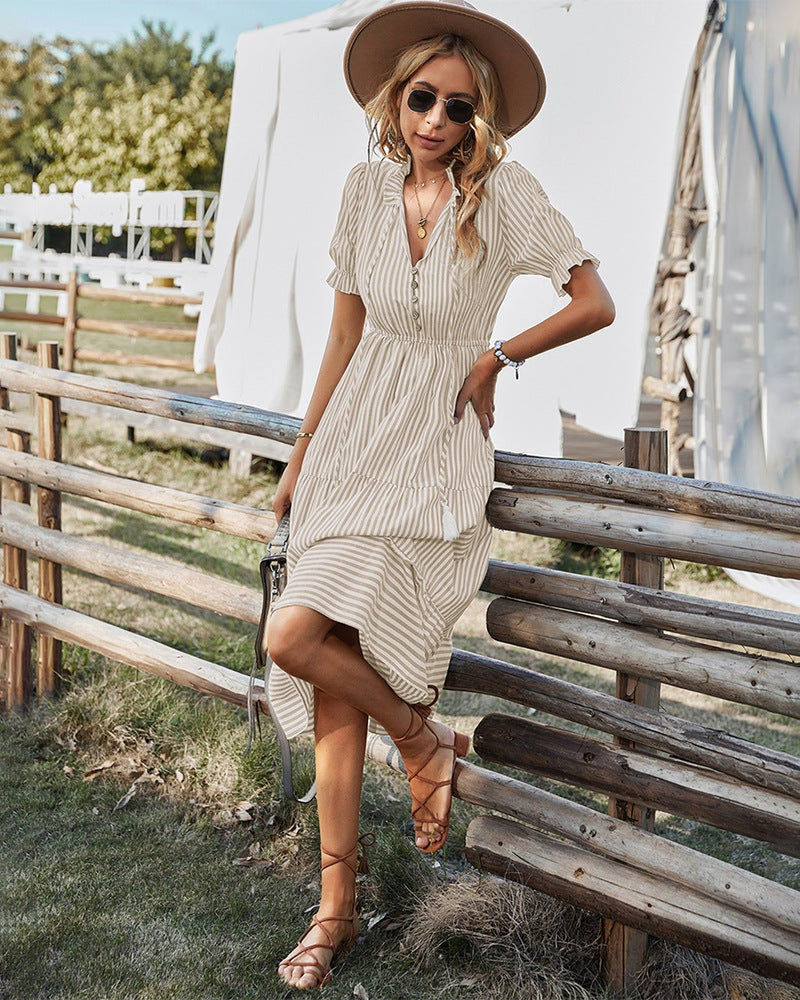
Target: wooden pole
18,672
757,548
71,321
118,644
176,332
745,892
748,678
644,449
45,286
676,787
237,417
624,947
153,574
712,748
8,350
123,359
88,291
160,501
24,317
651,489
777,631
48,409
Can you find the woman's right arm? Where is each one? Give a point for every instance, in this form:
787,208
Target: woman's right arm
347,326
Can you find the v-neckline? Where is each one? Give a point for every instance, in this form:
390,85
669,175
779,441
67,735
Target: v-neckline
431,239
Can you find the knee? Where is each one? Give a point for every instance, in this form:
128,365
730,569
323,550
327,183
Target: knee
289,644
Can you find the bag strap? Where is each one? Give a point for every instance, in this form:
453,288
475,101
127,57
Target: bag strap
272,570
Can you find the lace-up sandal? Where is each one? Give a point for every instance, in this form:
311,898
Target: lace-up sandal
421,812
313,966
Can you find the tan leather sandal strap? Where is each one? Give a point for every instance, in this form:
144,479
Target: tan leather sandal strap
408,735
344,859
357,865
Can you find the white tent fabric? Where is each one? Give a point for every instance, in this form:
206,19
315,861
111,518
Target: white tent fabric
602,147
747,403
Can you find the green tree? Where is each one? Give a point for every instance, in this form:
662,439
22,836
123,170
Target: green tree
153,54
31,79
47,88
172,141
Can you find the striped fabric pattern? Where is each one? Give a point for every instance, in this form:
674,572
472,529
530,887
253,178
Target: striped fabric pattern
389,533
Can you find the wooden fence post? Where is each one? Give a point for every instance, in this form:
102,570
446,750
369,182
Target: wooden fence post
18,672
625,948
48,409
5,658
70,321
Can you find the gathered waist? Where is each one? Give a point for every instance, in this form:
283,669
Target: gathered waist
479,343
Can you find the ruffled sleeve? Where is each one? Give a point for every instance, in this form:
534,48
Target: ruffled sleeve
538,239
343,244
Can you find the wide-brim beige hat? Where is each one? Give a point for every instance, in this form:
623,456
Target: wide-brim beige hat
377,41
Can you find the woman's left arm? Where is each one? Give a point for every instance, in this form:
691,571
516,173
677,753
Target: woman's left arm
590,309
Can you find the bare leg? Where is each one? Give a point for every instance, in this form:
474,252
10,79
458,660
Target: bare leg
340,734
303,643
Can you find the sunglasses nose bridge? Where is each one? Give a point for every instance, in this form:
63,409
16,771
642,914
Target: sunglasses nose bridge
437,113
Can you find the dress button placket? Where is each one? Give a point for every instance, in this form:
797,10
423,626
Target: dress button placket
415,298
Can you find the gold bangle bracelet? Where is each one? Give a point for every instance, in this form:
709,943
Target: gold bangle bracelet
303,434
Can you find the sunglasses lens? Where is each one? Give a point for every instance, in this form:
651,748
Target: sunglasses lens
459,111
421,101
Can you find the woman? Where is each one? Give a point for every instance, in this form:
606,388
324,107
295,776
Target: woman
393,465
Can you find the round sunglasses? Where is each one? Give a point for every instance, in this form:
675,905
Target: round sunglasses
458,110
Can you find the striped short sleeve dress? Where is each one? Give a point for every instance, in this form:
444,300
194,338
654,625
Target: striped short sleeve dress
389,533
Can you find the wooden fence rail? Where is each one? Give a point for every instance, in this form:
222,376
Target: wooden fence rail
73,290
236,417
750,679
641,606
634,528
244,430
645,779
160,501
650,489
613,864
746,761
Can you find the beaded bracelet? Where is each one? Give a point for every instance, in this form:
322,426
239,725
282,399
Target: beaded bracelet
498,353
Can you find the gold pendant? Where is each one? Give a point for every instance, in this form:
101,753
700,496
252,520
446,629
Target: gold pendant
421,232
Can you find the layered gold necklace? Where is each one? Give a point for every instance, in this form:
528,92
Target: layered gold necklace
422,232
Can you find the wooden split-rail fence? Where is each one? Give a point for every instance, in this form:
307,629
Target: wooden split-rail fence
629,748
240,446
73,290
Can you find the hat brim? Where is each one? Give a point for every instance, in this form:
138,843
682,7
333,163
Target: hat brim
377,41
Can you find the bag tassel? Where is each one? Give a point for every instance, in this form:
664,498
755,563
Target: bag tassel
449,526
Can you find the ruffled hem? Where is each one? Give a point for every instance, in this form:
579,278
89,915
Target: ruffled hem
343,282
374,586
575,256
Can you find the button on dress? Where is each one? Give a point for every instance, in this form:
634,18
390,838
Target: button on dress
389,531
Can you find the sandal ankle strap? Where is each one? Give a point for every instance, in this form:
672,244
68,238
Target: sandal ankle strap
361,865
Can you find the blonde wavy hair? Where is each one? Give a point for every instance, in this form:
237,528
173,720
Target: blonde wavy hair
481,149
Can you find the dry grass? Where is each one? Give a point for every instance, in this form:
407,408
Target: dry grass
675,973
512,941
